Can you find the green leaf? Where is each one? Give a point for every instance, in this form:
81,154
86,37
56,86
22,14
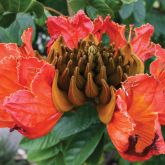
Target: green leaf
70,124
162,2
82,145
22,6
78,4
22,22
14,31
96,155
7,19
157,19
102,7
4,36
126,10
123,162
59,5
139,11
40,155
156,160
37,8
57,160
114,4
92,12
129,1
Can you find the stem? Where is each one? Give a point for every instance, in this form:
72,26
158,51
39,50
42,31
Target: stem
53,10
70,11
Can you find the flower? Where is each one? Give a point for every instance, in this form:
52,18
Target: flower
80,68
24,105
112,77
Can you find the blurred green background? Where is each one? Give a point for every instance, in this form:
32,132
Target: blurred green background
17,15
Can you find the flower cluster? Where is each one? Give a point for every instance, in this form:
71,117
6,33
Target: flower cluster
36,91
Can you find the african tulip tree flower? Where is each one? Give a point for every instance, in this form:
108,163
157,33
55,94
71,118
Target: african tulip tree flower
89,71
24,105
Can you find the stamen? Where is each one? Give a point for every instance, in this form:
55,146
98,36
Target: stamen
75,95
91,89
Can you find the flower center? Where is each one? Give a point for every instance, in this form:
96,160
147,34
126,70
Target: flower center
90,69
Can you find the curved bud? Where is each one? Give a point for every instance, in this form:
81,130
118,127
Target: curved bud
74,94
60,99
92,38
105,93
91,90
139,64
102,75
57,46
106,111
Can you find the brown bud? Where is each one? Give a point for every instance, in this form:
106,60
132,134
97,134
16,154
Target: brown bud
75,95
91,90
106,111
60,99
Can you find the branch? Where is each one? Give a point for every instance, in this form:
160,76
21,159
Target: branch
53,10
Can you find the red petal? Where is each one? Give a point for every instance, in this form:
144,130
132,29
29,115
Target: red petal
121,126
27,69
141,42
158,66
116,33
27,49
34,111
99,28
7,50
71,29
156,148
9,84
138,100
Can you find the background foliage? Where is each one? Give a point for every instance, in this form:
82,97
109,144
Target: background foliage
79,137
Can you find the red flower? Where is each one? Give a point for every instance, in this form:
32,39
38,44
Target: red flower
128,101
134,128
24,105
73,29
139,38
132,112
157,69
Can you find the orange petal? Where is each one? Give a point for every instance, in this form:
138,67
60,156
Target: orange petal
99,28
141,42
27,49
137,100
158,66
142,109
7,50
156,148
71,29
121,126
33,111
27,69
116,33
9,84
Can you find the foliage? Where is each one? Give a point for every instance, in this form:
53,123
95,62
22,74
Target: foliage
73,139
78,137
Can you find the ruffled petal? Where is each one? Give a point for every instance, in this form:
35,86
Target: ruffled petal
158,66
33,111
27,69
71,29
27,49
7,50
116,33
99,28
9,84
121,126
156,148
157,69
141,42
138,100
